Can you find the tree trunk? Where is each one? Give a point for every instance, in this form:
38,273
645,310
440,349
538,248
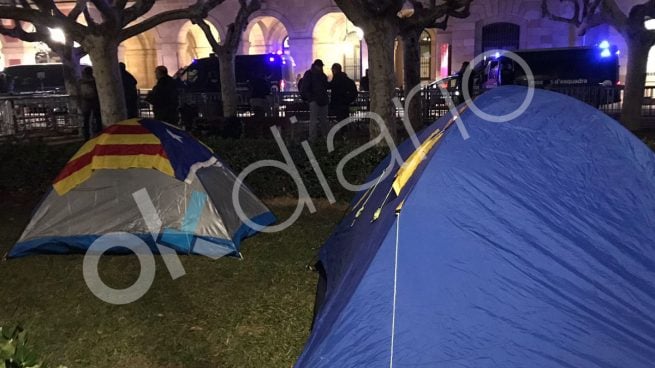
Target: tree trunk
380,39
412,74
635,82
104,55
70,60
228,83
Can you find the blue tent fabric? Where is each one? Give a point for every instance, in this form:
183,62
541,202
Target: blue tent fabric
183,150
531,244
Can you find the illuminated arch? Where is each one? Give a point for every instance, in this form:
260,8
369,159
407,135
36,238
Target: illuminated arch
264,34
650,76
140,57
426,51
193,44
337,40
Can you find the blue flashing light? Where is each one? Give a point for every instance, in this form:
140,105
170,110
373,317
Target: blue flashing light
604,45
605,53
497,55
618,52
271,59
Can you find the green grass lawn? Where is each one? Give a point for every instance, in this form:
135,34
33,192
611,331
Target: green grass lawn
225,313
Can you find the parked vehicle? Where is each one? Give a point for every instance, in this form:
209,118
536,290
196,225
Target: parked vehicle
37,78
203,75
595,69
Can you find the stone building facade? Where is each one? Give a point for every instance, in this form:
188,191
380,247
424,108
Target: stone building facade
310,29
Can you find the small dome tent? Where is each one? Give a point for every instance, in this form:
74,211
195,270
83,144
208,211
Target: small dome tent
99,190
531,244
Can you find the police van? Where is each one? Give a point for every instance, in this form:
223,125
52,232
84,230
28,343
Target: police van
35,79
203,75
592,70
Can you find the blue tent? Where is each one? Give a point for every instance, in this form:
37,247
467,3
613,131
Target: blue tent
531,244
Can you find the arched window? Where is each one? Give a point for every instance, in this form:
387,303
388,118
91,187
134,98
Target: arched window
504,36
425,45
285,45
650,76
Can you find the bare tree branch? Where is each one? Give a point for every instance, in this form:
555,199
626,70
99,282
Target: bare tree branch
49,6
27,15
139,8
236,29
25,4
108,13
88,18
428,17
120,4
574,19
208,33
80,5
380,7
588,14
17,31
359,11
196,11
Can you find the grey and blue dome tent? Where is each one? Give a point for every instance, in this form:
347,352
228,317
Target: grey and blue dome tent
531,244
109,185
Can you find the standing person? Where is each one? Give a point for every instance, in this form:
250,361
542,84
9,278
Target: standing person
3,83
314,90
90,104
297,81
260,93
163,97
344,92
460,82
130,91
363,83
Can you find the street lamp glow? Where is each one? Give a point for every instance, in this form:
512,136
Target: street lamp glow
650,24
57,35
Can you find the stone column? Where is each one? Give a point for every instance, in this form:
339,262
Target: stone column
301,48
167,55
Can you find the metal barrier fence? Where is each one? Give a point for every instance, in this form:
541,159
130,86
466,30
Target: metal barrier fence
54,115
28,115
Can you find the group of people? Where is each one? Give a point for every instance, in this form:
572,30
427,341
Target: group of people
90,102
314,86
163,97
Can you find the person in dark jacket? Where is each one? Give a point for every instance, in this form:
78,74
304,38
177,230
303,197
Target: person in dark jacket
130,91
460,83
3,83
314,88
163,97
343,93
90,104
260,93
363,83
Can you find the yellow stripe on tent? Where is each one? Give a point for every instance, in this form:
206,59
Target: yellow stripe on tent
129,122
64,186
107,139
134,161
409,167
113,162
86,148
